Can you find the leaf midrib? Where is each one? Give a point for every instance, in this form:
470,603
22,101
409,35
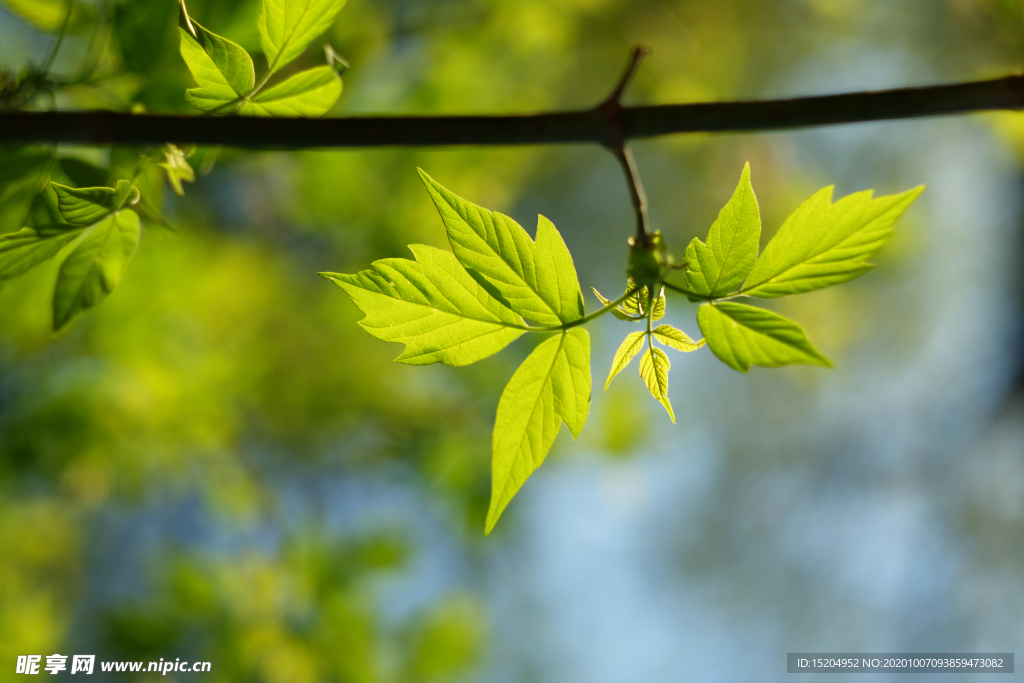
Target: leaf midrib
500,323
533,409
99,252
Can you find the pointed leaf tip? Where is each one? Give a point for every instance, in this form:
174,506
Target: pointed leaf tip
433,306
550,387
535,278
741,336
721,263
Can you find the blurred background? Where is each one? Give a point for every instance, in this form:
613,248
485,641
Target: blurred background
218,464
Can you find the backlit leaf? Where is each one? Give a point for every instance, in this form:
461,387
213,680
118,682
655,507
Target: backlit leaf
741,336
22,250
432,306
654,368
825,244
619,312
222,69
550,387
308,93
94,268
635,302
535,279
677,339
287,27
720,266
658,311
178,170
630,346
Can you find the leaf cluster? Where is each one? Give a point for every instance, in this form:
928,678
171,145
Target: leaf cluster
226,75
498,283
94,228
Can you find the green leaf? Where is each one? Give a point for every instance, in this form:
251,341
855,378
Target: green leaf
677,339
550,387
630,346
23,172
287,27
432,306
94,269
23,250
222,69
742,336
178,170
44,211
619,312
659,306
308,93
654,367
635,302
48,15
721,265
87,205
535,279
825,244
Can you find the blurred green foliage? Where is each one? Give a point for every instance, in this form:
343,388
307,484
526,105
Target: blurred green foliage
223,368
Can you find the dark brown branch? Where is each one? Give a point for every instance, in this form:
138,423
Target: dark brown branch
614,101
104,128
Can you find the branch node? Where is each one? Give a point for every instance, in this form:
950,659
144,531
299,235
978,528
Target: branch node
611,110
611,107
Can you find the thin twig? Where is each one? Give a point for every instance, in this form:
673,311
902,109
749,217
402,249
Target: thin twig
636,194
612,109
568,127
614,100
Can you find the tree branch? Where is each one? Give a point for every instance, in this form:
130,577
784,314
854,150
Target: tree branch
585,126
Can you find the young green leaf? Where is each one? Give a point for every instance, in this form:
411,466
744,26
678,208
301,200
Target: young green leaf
635,302
677,339
87,205
630,346
49,15
742,336
287,27
222,69
550,387
308,93
23,250
619,312
535,279
94,269
432,306
658,311
177,168
720,266
23,171
823,245
654,367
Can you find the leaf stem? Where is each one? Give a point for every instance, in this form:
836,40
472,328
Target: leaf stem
188,21
702,297
585,319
